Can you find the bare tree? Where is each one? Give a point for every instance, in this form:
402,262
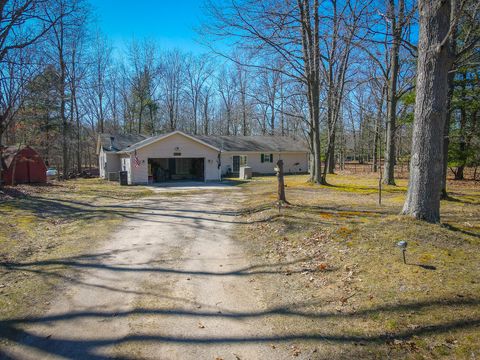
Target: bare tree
243,86
310,32
172,83
390,32
338,44
227,88
198,73
22,24
206,96
65,18
76,70
101,60
142,78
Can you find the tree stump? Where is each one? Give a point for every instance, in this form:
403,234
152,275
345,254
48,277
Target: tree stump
281,183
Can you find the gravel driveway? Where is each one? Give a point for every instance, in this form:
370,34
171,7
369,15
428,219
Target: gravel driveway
169,284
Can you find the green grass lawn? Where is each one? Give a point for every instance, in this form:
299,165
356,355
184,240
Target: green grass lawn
60,220
349,275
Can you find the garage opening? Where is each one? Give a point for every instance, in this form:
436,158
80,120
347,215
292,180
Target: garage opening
176,169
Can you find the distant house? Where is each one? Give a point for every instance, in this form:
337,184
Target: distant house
23,165
179,156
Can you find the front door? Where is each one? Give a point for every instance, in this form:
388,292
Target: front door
236,164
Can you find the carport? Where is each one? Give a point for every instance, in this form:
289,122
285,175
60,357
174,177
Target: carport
176,169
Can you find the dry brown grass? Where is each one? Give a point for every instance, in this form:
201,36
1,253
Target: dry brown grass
350,278
40,223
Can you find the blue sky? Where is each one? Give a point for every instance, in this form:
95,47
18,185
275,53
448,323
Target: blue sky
171,23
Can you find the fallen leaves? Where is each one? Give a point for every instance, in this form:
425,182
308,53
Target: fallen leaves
295,350
408,345
322,266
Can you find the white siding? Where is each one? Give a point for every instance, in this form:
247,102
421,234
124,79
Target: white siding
292,162
164,148
126,165
102,158
108,162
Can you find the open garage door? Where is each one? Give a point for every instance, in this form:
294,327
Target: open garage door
176,169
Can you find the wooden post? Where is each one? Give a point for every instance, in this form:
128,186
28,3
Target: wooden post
380,188
281,182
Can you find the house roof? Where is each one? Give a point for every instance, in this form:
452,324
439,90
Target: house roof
154,139
129,143
255,143
120,141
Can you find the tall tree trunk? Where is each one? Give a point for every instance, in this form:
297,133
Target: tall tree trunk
462,146
434,61
311,56
100,103
229,121
446,135
195,120
311,159
397,23
1,151
281,182
79,134
389,167
140,116
205,115
317,174
282,115
63,118
376,135
244,116
331,156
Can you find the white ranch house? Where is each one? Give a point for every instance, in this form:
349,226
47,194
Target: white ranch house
178,156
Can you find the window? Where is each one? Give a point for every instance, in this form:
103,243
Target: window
243,160
238,160
266,158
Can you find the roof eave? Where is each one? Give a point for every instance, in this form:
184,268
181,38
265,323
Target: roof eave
129,151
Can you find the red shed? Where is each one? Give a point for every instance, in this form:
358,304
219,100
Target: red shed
24,163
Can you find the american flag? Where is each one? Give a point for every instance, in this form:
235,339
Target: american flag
136,160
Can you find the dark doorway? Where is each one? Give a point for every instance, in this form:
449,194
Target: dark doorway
176,169
236,164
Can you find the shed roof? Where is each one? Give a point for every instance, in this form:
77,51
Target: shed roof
8,154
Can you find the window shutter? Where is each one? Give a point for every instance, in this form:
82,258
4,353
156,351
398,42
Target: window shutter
262,158
271,158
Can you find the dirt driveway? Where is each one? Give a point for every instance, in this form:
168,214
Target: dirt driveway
170,284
